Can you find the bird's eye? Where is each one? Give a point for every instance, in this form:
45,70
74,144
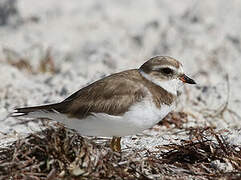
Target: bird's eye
166,71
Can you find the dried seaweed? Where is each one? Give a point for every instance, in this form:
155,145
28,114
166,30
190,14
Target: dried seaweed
58,152
175,118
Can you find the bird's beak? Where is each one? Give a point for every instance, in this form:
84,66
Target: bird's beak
186,79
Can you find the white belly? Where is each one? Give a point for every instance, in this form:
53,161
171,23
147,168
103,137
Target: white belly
141,116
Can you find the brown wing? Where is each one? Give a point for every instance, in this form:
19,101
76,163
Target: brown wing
112,95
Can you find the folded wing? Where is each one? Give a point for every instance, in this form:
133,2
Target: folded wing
112,95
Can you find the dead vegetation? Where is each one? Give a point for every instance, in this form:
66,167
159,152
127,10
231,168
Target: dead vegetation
174,118
46,63
58,152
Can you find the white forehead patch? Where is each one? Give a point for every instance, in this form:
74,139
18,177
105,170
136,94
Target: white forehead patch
180,70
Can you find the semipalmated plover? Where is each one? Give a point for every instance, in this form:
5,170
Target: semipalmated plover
125,103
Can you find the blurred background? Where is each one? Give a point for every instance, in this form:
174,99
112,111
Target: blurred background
49,49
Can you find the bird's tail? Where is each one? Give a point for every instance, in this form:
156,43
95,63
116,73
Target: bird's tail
38,111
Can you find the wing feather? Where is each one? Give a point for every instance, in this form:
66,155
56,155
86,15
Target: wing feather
112,95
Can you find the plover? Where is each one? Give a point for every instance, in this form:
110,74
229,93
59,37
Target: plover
125,103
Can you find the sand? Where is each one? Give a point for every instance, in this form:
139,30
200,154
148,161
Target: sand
78,42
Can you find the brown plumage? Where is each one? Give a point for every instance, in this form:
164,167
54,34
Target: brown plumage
112,95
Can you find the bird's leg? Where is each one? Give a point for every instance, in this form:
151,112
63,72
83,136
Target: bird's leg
115,144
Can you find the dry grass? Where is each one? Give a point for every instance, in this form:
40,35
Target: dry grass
58,152
46,63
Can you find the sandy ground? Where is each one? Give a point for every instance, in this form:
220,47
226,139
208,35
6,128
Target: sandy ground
81,41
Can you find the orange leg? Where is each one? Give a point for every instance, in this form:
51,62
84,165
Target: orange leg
115,144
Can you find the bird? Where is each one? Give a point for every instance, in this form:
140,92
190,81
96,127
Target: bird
121,104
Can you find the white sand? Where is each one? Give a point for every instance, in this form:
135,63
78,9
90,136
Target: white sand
89,39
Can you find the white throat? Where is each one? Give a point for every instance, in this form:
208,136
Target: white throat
170,86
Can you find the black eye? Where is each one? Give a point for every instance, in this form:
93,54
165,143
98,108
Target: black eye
166,71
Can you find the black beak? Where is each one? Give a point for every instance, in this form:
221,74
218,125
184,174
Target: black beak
187,79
